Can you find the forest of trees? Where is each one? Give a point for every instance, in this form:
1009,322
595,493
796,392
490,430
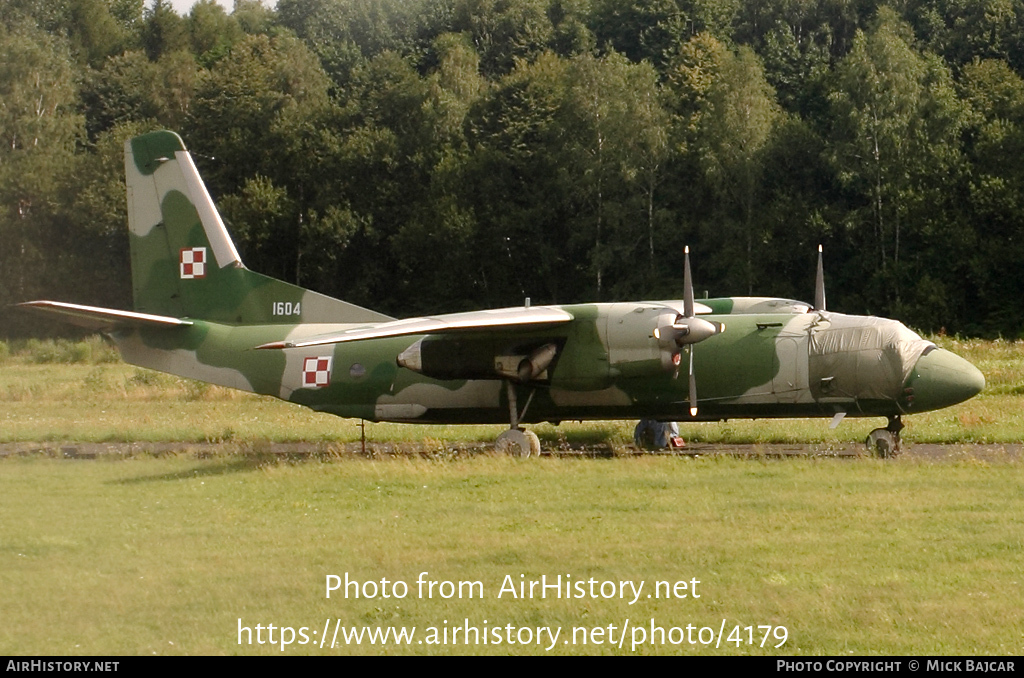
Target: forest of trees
423,156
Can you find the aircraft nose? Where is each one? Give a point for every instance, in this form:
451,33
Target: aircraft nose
940,379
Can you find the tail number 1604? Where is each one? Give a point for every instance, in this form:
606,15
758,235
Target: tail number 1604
287,308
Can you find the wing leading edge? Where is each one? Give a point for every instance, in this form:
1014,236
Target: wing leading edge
478,321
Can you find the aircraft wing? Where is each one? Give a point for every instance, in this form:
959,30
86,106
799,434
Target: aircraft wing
473,321
101,319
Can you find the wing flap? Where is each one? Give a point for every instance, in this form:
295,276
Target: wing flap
473,321
101,319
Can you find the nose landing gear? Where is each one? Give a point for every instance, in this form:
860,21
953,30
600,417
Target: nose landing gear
885,442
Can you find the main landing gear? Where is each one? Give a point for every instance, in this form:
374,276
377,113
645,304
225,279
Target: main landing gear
885,442
517,441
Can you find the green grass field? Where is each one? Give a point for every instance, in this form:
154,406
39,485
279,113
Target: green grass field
170,555
854,557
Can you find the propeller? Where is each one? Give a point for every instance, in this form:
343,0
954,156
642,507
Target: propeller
819,285
687,330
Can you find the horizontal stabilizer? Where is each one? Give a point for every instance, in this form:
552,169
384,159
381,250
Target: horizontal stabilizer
101,319
473,321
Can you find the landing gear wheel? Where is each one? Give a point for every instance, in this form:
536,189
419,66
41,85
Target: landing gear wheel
883,443
518,443
534,443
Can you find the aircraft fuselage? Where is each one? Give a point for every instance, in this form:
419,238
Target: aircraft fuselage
607,363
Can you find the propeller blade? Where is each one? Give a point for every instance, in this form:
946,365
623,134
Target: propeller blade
819,285
688,311
693,387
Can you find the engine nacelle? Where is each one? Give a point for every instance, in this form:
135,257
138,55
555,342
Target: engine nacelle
638,345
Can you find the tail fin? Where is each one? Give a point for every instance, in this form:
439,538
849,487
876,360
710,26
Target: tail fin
184,264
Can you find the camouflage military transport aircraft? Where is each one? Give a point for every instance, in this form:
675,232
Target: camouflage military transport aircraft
200,313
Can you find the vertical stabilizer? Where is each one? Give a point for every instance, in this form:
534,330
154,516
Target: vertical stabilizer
184,263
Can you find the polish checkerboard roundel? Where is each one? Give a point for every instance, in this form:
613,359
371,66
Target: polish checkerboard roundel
316,372
192,263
